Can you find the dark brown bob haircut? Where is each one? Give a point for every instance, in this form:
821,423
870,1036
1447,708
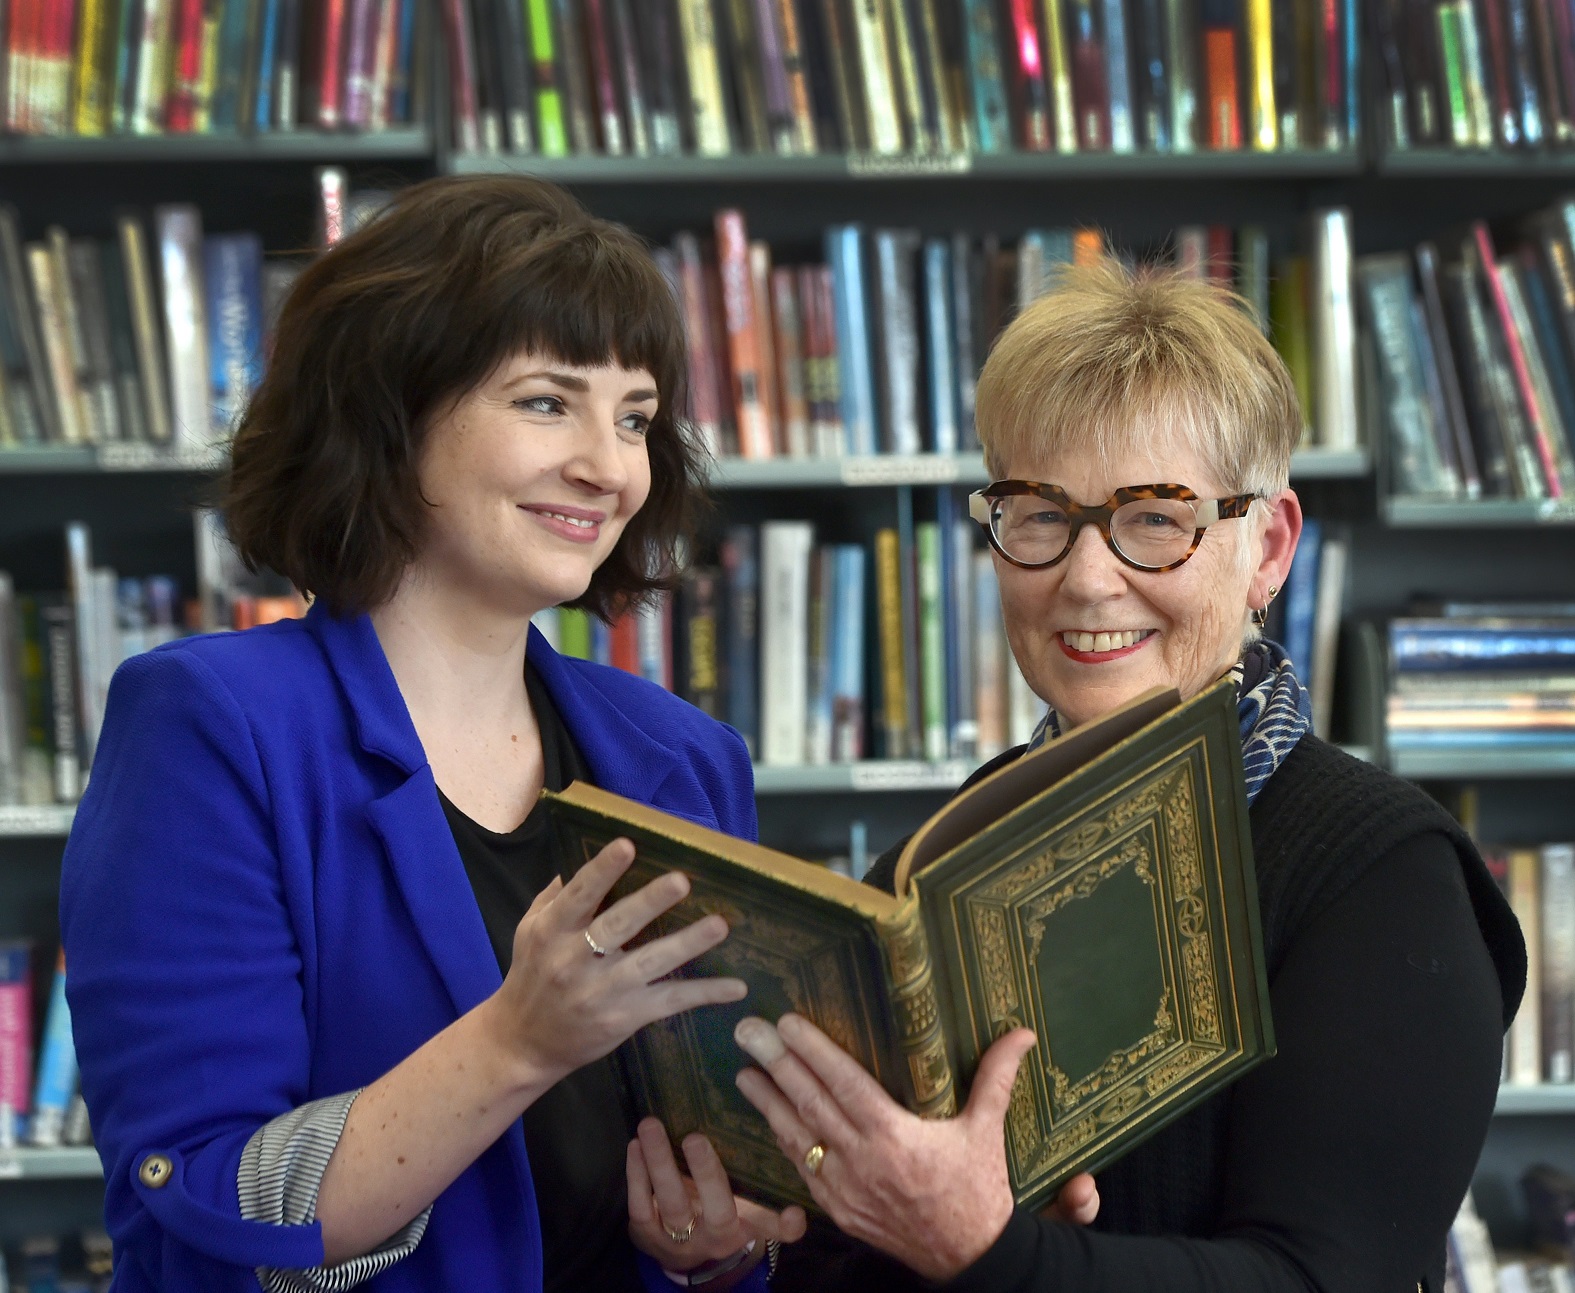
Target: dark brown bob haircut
392,326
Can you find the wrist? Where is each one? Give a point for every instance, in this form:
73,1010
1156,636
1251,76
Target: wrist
523,1072
721,1274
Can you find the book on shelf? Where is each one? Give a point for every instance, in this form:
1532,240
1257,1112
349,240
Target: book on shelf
1061,892
182,67
778,634
897,79
875,349
1489,74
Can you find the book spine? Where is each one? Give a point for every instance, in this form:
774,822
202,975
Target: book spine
1118,77
931,1089
571,47
1445,364
1058,61
1476,74
788,330
766,342
65,698
1090,93
964,316
712,136
873,41
893,653
1492,33
1301,597
962,637
1532,312
818,686
1525,1034
940,338
1541,441
235,31
785,548
948,133
1219,56
990,658
626,51
1523,71
732,245
57,1066
261,116
1558,963
90,102
854,367
932,642
232,276
795,66
1334,331
1029,75
388,15
461,47
991,122
847,656
740,561
16,1033
551,128
1263,118
705,407
179,236
145,329
781,121
899,341
661,73
1182,68
604,76
1327,613
346,96
1563,82
700,630
56,344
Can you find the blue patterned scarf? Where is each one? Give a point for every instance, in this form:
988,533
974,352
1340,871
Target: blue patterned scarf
1274,708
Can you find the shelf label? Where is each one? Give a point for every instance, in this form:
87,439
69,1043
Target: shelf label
909,775
154,457
892,469
873,164
44,819
1556,509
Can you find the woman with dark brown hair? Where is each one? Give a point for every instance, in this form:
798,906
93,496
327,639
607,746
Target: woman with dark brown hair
322,960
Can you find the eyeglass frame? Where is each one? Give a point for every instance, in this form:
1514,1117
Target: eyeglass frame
1100,515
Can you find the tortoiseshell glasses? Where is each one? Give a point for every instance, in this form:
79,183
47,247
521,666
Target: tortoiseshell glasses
1148,527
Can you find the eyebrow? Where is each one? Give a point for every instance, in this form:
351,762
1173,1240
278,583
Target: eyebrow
571,382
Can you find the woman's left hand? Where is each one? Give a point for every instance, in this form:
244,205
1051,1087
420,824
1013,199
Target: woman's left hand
933,1193
701,1207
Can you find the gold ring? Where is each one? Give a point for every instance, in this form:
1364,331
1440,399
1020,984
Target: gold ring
679,1236
814,1156
596,948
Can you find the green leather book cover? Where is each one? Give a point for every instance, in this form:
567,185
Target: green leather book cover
1099,891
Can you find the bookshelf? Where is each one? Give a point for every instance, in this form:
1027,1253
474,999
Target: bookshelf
138,498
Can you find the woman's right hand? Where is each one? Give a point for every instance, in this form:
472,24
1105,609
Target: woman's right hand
562,1006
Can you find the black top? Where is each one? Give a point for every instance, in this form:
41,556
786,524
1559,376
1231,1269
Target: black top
1338,1165
578,1132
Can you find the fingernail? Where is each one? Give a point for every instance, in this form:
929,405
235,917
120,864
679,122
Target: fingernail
759,1040
789,1025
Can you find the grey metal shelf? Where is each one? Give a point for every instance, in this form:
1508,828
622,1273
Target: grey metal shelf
1535,1099
20,821
32,460
414,143
1469,163
1485,513
769,168
79,1162
853,778
949,469
1473,762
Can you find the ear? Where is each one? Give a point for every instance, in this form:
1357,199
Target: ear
1278,546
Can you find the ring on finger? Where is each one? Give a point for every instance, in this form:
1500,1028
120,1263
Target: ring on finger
679,1236
597,950
814,1156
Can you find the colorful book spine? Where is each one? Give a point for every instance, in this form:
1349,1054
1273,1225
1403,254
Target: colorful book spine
932,642
785,549
855,369
1059,69
1118,77
991,122
552,131
56,1082
1263,121
16,1037
463,104
872,38
347,97
1219,57
232,278
740,562
795,63
609,112
1182,72
847,655
1029,75
940,337
178,232
1090,92
712,135
788,335
894,658
732,248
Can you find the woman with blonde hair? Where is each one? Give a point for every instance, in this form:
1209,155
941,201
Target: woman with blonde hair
1140,428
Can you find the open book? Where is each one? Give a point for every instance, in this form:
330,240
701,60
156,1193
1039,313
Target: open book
1099,891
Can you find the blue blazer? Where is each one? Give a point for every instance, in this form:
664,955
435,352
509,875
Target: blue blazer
262,904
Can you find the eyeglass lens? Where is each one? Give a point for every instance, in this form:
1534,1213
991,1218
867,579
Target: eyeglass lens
1149,531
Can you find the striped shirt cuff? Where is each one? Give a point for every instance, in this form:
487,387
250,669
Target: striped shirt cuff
281,1172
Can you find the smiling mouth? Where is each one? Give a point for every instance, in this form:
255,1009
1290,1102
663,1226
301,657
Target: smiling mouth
1094,643
579,522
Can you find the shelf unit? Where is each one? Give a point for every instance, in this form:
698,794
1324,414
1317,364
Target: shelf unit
414,144
76,1163
1486,513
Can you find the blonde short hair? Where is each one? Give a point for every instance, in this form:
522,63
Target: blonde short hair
1113,359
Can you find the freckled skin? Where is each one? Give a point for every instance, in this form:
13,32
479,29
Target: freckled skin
1197,611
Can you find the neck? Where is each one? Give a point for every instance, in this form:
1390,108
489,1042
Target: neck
452,654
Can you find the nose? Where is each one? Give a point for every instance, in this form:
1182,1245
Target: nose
1092,571
598,465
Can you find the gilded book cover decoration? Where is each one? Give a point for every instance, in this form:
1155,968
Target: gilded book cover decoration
1099,891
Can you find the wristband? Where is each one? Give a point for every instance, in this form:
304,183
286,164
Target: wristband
715,1270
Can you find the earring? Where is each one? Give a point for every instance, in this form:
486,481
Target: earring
1261,617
